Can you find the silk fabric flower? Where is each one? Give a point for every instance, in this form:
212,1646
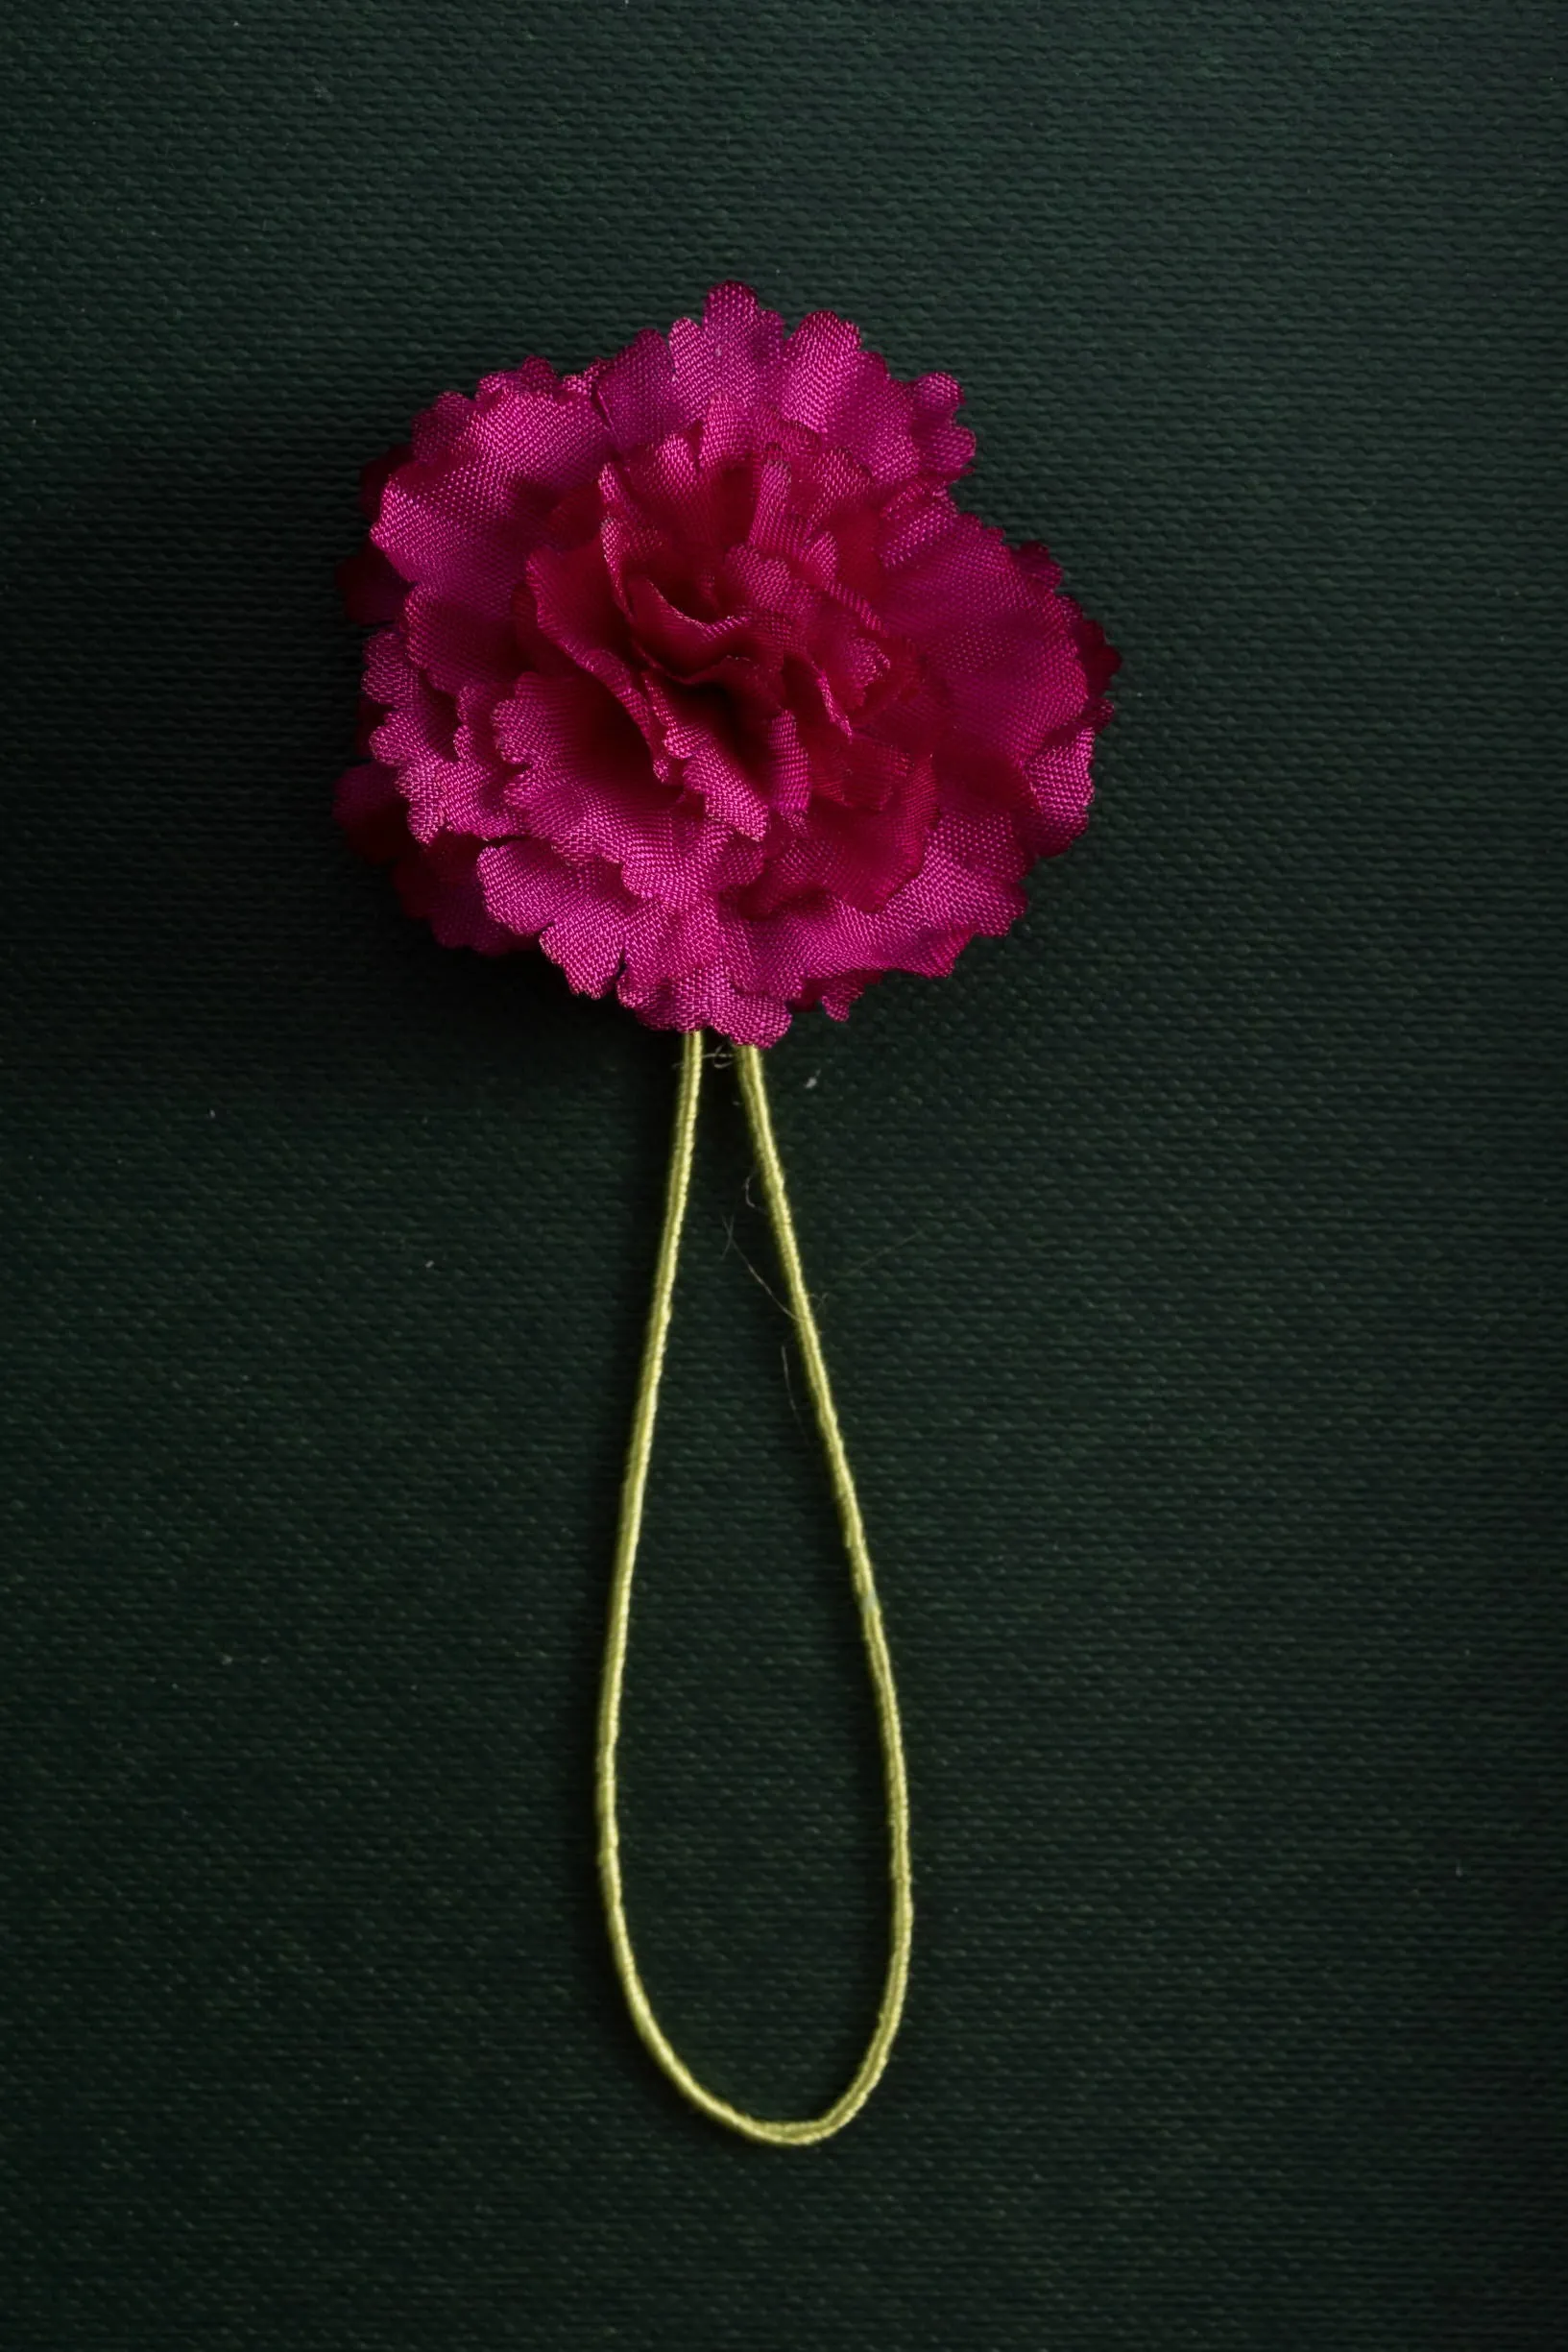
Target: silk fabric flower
690,671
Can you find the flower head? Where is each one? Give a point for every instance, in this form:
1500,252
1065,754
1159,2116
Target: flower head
692,672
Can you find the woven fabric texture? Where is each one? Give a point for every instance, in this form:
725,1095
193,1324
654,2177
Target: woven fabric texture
1188,1267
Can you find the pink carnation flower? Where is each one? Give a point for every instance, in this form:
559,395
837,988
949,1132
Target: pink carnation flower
692,673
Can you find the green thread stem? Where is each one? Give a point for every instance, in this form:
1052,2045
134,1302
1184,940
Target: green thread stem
772,2133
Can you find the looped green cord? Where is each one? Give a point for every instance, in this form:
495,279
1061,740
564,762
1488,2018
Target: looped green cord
781,2133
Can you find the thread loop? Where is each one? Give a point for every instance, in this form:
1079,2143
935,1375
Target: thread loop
771,2132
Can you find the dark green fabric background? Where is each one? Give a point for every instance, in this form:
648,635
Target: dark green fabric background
1187,1258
